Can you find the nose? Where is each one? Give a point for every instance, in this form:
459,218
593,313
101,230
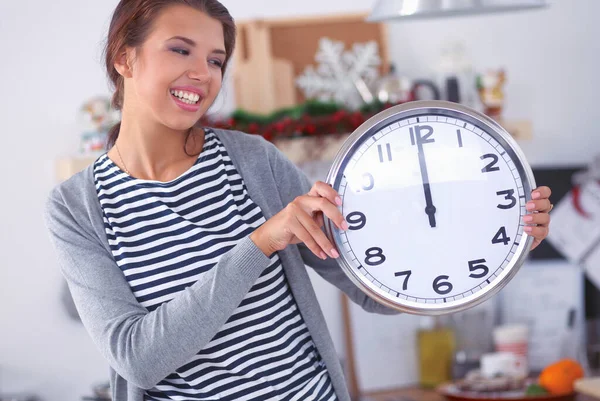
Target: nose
200,72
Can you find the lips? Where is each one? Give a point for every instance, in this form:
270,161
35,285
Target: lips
188,97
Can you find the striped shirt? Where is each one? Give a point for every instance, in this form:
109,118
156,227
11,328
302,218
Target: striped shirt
166,236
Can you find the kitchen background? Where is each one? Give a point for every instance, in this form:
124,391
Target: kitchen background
51,64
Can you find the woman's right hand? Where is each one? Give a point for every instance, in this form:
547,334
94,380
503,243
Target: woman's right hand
301,221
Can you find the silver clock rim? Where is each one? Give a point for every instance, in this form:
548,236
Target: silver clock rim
406,110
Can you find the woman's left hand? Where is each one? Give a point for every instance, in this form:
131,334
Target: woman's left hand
538,220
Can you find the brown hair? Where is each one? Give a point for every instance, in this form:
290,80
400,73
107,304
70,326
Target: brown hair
130,25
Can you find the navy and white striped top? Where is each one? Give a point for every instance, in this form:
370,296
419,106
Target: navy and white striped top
165,236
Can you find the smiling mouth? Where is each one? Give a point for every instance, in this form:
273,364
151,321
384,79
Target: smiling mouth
186,97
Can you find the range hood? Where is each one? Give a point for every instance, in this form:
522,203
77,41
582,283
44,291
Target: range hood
385,10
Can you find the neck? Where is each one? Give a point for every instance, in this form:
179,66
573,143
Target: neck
152,151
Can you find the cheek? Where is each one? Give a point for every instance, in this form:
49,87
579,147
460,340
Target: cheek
151,82
161,68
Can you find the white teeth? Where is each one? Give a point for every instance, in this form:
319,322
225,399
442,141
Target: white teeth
186,97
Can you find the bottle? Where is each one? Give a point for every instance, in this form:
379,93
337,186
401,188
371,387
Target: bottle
436,346
572,345
394,89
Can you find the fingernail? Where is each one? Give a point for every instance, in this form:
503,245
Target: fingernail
530,205
338,200
528,218
344,225
536,195
528,229
335,253
323,256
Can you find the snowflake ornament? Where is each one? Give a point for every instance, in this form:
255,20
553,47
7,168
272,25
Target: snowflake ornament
340,74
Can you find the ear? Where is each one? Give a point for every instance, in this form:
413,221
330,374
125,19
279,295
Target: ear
124,63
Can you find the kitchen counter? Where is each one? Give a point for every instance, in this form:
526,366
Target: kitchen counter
420,394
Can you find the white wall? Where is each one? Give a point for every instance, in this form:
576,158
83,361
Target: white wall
51,62
552,58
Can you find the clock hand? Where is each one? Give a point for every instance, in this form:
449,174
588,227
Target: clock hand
429,206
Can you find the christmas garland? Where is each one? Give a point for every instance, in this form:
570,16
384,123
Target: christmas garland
312,118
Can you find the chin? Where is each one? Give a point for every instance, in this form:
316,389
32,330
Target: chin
179,122
180,125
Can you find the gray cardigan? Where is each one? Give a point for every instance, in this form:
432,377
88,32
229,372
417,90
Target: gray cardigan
142,347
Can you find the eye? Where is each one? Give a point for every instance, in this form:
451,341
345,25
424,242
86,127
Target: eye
183,52
217,62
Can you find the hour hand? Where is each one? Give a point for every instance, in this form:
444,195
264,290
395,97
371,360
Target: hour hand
430,210
422,138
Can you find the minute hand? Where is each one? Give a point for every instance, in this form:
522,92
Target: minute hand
420,139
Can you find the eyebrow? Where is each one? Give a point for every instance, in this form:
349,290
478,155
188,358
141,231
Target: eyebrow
193,44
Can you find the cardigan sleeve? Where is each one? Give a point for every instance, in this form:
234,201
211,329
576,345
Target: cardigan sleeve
292,182
143,347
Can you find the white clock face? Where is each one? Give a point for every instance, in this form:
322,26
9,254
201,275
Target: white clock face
435,207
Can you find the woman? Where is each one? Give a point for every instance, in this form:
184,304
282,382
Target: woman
178,245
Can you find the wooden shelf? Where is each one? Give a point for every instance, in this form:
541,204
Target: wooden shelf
304,149
298,150
273,52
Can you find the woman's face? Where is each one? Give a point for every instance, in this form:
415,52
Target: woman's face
176,75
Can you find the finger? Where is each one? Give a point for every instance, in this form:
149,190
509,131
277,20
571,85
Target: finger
312,204
541,219
317,234
535,243
318,217
326,191
303,235
541,193
541,205
539,232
